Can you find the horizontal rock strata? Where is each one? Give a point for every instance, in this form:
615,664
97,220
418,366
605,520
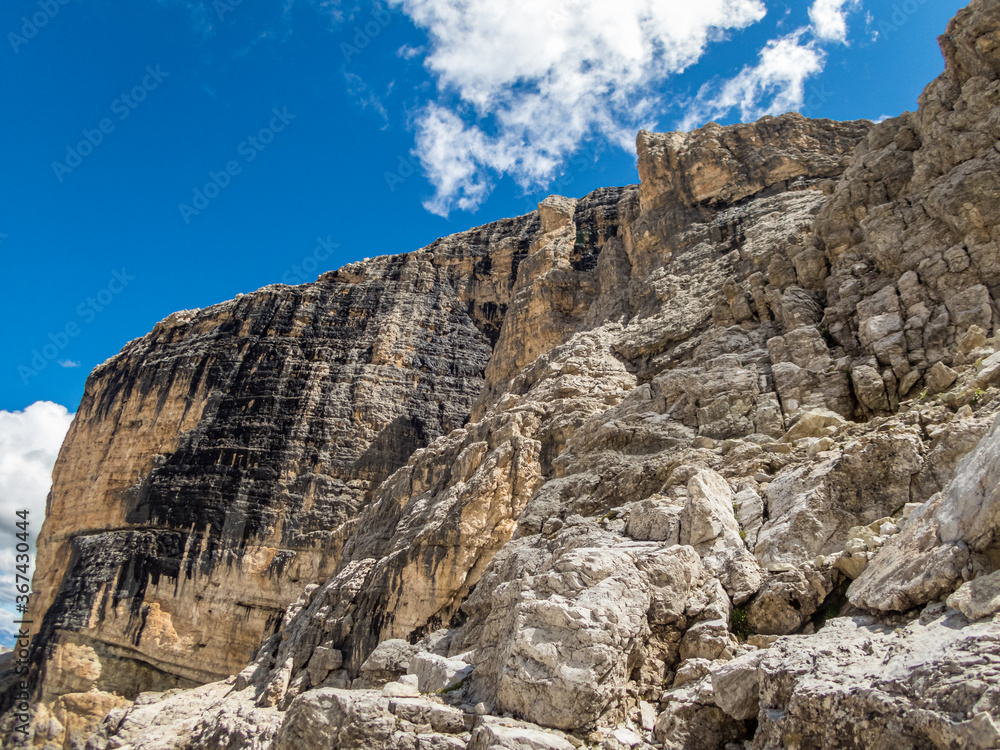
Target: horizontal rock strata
705,462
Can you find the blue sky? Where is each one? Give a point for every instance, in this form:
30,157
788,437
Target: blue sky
168,154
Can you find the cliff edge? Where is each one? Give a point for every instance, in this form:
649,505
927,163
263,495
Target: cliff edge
705,462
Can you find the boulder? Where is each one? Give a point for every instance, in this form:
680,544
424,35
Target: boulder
736,686
926,560
438,673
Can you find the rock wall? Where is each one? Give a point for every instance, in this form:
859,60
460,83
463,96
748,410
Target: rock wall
214,463
705,462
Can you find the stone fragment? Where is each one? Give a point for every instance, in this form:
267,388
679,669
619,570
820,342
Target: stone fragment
505,734
989,371
708,640
815,422
438,673
655,520
708,512
787,600
388,662
581,606
926,560
348,719
979,597
647,715
940,378
736,686
972,339
852,565
870,389
749,514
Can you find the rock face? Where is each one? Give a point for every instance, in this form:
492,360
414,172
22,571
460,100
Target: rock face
708,460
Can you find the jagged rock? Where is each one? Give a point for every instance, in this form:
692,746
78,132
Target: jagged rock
439,717
437,673
855,684
817,423
691,720
870,389
978,598
787,600
205,717
708,640
927,559
498,734
940,378
555,648
336,718
812,507
390,660
655,520
989,371
749,514
525,441
736,686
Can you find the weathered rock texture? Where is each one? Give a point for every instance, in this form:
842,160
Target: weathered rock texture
708,460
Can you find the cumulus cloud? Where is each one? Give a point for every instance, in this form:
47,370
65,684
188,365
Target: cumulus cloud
829,18
29,444
775,84
523,83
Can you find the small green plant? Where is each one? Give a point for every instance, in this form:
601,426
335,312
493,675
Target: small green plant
923,395
977,396
832,605
739,623
743,535
453,688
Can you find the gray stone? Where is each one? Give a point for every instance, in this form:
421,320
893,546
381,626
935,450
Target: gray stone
940,378
736,686
979,597
437,673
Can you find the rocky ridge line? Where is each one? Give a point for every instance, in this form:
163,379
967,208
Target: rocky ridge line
728,480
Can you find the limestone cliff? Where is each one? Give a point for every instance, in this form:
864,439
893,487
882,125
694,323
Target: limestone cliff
701,463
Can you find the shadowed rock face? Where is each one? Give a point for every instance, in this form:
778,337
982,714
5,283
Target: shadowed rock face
212,462
593,460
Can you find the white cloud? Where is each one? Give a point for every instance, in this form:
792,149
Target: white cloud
29,444
524,83
776,84
366,98
69,363
408,53
829,18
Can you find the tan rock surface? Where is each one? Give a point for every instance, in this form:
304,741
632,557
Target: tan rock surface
586,453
